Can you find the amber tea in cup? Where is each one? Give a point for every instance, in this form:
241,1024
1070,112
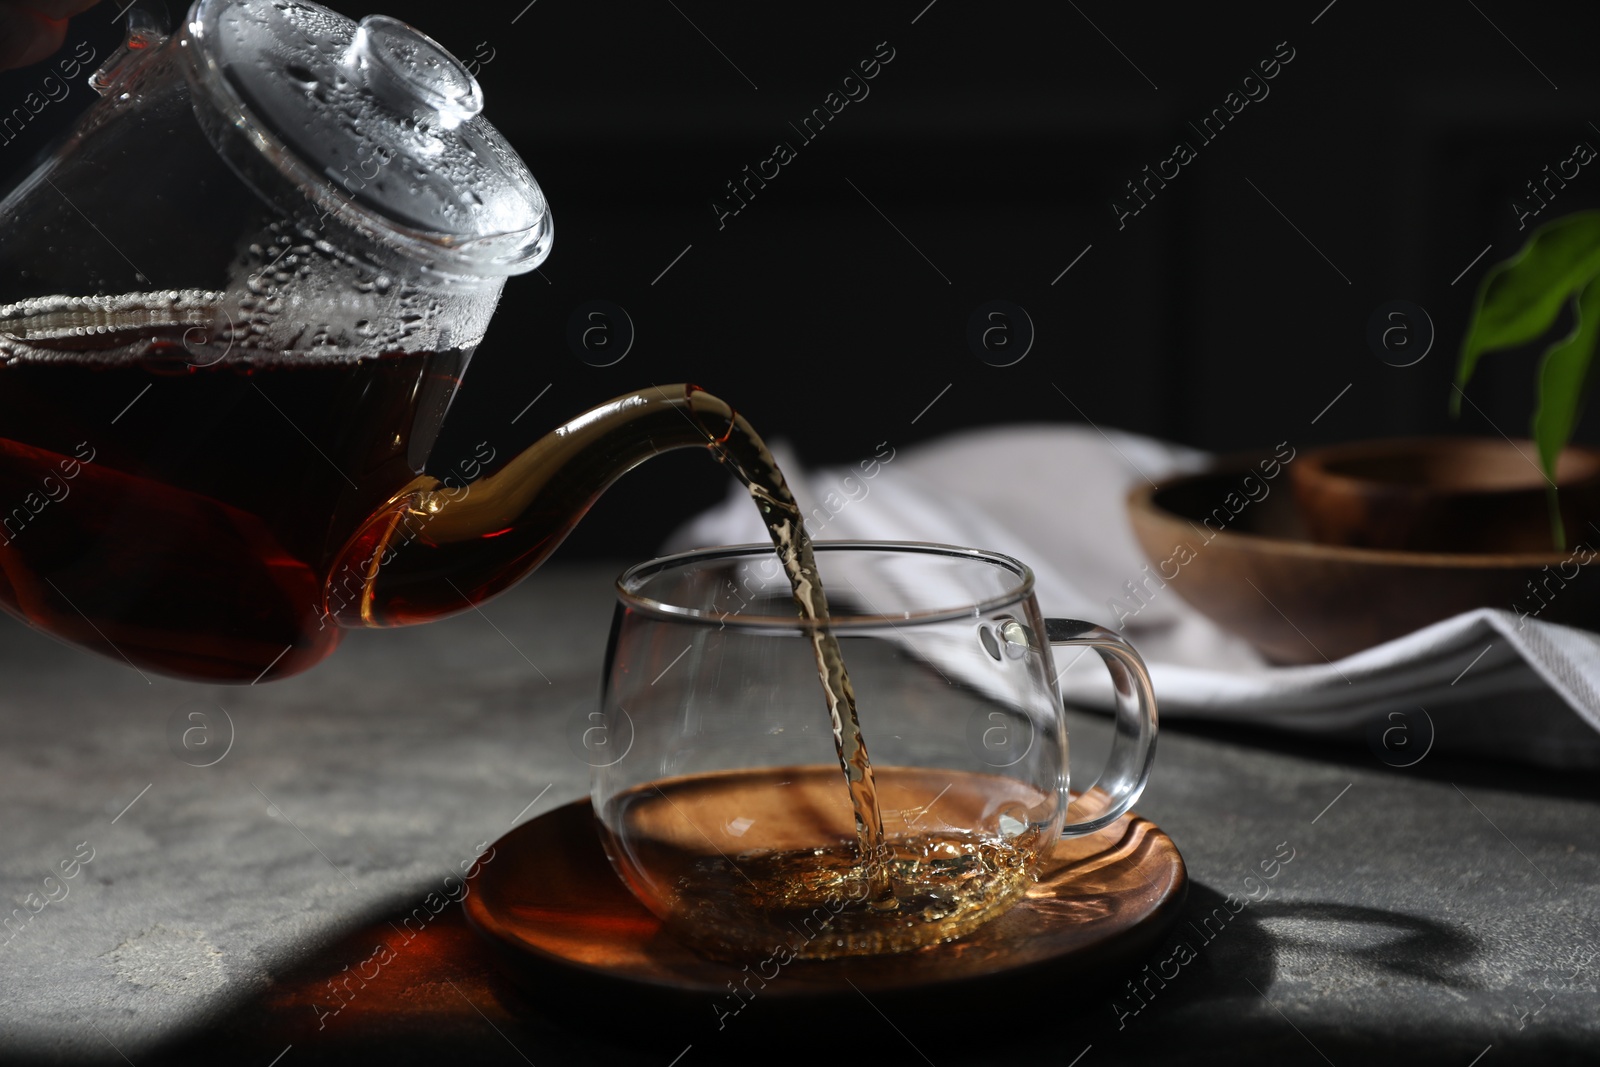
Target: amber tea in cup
717,777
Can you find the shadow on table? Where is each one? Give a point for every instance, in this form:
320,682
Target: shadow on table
1224,1002
1206,995
1439,765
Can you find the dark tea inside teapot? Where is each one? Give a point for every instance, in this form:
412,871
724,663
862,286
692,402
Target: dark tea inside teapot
235,304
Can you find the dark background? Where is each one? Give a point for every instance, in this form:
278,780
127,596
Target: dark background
834,308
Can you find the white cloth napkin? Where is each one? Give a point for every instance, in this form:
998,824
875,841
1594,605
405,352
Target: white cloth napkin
1053,497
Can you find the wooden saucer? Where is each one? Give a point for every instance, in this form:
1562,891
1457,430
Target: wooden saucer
552,902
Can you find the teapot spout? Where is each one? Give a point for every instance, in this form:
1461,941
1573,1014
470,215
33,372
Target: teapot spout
433,550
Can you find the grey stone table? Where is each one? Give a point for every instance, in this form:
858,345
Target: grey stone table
1443,913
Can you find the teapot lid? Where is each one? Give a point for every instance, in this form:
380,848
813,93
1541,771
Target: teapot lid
377,123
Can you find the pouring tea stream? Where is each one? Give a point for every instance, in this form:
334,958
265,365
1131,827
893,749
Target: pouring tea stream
236,302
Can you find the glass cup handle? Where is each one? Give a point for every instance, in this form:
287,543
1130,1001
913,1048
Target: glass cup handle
1133,749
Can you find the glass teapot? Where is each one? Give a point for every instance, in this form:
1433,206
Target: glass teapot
235,304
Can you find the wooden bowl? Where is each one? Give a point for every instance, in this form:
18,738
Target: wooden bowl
1443,494
1248,565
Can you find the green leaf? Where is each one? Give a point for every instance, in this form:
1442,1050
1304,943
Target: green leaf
1562,376
1520,298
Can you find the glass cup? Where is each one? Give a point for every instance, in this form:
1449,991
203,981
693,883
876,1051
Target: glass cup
717,783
